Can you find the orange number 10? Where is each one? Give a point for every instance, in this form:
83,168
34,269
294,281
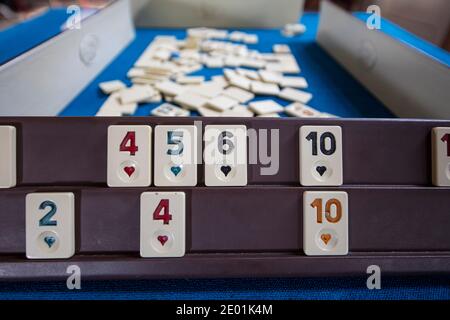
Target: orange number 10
317,203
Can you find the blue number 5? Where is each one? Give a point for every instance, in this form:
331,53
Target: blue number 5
47,219
175,138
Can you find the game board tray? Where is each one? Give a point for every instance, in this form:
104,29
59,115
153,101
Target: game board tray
396,219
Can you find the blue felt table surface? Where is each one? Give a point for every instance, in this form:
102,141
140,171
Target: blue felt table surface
426,288
334,90
24,36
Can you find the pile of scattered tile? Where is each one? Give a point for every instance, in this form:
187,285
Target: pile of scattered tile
161,75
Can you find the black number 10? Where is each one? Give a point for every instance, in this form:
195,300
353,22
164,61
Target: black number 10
323,146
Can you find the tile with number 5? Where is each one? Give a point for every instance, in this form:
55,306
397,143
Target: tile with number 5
325,223
129,156
175,156
321,156
50,225
441,156
163,224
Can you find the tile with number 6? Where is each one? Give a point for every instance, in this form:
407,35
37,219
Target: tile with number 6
441,156
225,155
163,224
50,225
321,156
175,156
129,156
325,223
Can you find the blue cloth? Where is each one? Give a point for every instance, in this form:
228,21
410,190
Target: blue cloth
430,288
24,36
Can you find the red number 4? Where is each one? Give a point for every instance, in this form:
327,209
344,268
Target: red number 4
129,143
446,138
162,212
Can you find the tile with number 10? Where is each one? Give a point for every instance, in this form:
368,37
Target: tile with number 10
325,223
321,156
175,156
441,156
129,156
163,224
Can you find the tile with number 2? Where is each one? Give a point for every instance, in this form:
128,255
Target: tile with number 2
50,225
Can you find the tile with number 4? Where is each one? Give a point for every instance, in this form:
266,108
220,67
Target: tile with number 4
175,156
129,156
441,156
225,155
163,224
325,223
8,165
321,156
50,225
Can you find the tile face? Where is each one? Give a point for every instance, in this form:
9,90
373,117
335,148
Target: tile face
325,223
8,160
225,155
271,77
137,94
112,86
294,82
190,100
263,88
238,111
238,94
163,226
175,156
265,107
50,225
295,95
129,156
441,156
169,110
221,103
321,156
300,110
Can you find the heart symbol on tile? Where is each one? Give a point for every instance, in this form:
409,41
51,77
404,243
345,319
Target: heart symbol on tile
163,239
175,170
226,170
326,237
50,241
129,170
321,170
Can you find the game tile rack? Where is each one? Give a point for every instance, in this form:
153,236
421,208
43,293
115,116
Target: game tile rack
397,218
